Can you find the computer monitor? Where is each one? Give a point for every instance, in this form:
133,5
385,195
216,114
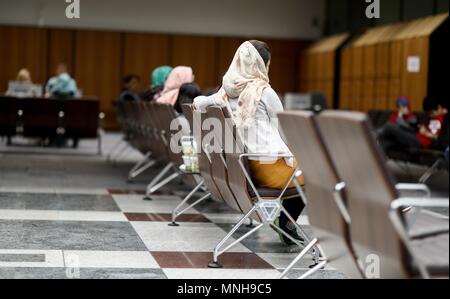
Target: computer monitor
23,90
314,101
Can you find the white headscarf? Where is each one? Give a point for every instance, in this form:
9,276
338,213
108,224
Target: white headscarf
246,80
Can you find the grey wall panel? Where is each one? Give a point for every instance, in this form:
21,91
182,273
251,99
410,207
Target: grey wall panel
391,11
441,6
413,9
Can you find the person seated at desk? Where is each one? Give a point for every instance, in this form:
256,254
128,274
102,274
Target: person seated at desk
427,134
254,105
159,77
179,76
61,85
23,76
23,86
130,89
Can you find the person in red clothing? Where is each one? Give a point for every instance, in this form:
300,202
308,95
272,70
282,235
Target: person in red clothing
399,136
403,117
431,129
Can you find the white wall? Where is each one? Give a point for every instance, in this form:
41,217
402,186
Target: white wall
266,18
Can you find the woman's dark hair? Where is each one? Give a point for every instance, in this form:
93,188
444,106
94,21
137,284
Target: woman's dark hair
263,50
430,103
128,78
188,92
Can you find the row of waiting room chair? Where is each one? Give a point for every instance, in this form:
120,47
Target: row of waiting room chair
222,175
354,206
47,118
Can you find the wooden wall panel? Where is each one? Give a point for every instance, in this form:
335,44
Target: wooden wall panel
397,62
346,63
201,54
227,47
394,91
99,59
383,60
22,47
357,62
61,49
142,53
285,54
345,94
304,65
98,69
368,94
369,61
381,93
415,85
356,95
329,92
329,67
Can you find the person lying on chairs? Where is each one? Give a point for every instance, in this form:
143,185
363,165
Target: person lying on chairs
247,94
428,133
403,117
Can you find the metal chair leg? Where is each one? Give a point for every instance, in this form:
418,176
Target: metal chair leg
296,242
160,175
176,212
315,252
298,258
430,171
160,185
122,153
141,166
100,134
113,152
218,251
313,270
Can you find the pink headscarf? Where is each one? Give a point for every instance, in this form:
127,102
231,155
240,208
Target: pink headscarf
179,76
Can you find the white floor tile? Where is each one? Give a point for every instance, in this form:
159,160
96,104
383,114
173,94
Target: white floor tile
190,237
110,259
62,215
220,274
159,204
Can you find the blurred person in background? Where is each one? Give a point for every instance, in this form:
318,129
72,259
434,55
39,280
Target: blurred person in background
130,89
159,77
179,76
62,85
23,85
188,92
426,136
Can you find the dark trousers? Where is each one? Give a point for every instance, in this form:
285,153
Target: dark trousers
294,206
393,137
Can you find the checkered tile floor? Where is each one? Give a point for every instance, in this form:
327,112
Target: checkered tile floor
67,213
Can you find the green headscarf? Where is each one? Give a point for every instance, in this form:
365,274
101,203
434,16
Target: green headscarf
159,76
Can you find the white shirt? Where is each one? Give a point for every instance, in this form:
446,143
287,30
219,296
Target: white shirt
263,137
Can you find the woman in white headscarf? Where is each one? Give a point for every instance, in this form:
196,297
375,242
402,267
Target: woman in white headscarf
247,93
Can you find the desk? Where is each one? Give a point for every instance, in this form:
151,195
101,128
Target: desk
49,117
